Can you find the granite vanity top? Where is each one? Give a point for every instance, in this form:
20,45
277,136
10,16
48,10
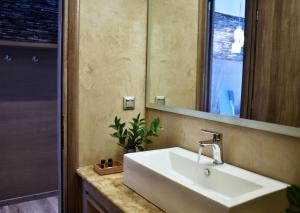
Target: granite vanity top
113,188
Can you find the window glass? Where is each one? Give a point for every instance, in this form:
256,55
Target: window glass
227,46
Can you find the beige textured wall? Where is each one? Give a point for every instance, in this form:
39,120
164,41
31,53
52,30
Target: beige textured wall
112,64
173,36
269,154
112,55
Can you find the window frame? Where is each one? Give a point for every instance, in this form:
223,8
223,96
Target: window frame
248,59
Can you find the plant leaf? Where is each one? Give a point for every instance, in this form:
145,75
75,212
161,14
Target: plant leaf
137,134
293,195
292,211
147,141
140,148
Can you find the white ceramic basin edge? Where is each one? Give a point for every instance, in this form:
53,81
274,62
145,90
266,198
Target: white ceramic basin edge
227,186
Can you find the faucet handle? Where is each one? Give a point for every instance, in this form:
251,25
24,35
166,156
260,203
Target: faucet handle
216,135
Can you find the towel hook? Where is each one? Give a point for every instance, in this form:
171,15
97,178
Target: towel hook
35,59
7,58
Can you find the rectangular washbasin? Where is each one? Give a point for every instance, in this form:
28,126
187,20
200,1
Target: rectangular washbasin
174,181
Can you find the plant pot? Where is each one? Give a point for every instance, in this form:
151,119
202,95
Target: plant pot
126,151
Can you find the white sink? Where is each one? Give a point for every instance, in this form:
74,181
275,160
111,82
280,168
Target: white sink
171,179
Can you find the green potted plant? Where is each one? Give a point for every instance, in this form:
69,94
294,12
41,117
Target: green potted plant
293,195
134,137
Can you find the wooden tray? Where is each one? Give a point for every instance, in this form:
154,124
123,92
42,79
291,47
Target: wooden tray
116,168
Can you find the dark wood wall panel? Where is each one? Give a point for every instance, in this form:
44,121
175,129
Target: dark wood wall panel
277,63
28,148
22,79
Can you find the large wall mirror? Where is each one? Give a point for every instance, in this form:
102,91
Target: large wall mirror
232,58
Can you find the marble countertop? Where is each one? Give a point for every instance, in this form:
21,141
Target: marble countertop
113,188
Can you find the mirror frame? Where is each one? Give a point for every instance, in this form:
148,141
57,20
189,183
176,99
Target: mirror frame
253,124
259,125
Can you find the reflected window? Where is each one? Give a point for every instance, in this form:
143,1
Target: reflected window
226,53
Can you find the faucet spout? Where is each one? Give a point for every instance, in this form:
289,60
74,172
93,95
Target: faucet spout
216,144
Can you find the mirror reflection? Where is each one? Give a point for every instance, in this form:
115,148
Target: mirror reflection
230,57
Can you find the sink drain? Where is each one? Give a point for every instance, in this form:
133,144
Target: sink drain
206,172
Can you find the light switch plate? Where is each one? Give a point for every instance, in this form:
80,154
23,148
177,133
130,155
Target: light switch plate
128,102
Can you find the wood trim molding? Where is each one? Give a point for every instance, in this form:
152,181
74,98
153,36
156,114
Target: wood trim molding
201,59
249,59
64,97
28,198
27,44
71,74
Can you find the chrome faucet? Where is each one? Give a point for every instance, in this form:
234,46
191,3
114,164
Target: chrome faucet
216,144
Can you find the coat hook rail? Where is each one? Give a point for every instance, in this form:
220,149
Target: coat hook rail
8,59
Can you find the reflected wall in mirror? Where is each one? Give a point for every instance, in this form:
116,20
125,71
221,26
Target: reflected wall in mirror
172,49
230,57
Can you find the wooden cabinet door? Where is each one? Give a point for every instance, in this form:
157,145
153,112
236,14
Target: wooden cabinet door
277,63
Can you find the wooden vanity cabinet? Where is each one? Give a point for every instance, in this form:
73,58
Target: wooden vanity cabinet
95,202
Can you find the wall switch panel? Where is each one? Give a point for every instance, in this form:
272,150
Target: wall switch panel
128,102
160,100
